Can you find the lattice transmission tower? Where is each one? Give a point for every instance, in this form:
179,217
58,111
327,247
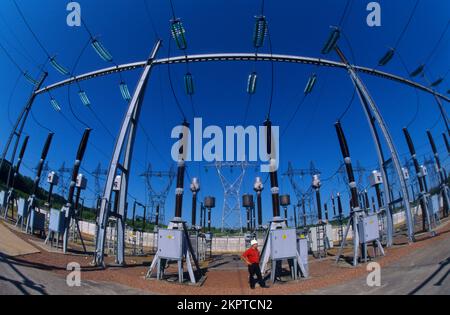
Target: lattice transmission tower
231,212
62,172
157,198
98,174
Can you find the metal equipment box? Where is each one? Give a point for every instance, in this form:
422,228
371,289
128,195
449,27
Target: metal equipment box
302,247
37,220
170,244
2,198
208,236
313,237
81,182
22,209
53,178
405,173
435,201
368,229
375,178
283,243
57,218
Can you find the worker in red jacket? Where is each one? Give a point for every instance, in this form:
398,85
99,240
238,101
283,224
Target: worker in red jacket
251,258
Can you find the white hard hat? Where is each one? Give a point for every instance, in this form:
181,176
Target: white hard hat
254,242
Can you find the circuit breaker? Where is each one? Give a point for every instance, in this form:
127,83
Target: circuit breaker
22,209
57,219
368,229
283,243
170,244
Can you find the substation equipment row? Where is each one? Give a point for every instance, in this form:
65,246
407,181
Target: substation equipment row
177,243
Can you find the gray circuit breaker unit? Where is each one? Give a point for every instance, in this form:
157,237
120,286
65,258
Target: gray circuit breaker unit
368,229
170,244
284,244
57,221
22,209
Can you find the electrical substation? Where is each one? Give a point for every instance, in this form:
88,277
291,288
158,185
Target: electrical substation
380,189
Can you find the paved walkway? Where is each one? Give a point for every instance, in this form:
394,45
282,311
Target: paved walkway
18,278
12,245
425,272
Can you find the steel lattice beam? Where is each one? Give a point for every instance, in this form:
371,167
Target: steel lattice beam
239,57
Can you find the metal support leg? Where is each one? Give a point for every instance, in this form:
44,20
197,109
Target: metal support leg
126,135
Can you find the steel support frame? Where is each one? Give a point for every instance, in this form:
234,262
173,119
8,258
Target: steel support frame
221,57
20,123
366,98
125,141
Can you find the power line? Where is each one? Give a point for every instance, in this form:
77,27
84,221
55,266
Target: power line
405,28
13,61
345,13
433,51
13,91
177,103
152,23
25,52
31,30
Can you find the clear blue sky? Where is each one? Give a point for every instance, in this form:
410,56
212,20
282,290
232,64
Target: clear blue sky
297,27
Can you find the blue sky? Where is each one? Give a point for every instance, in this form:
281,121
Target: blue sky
296,27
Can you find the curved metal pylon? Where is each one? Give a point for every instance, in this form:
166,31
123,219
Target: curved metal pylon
243,57
123,148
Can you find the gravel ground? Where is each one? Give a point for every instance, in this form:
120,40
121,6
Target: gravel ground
223,280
